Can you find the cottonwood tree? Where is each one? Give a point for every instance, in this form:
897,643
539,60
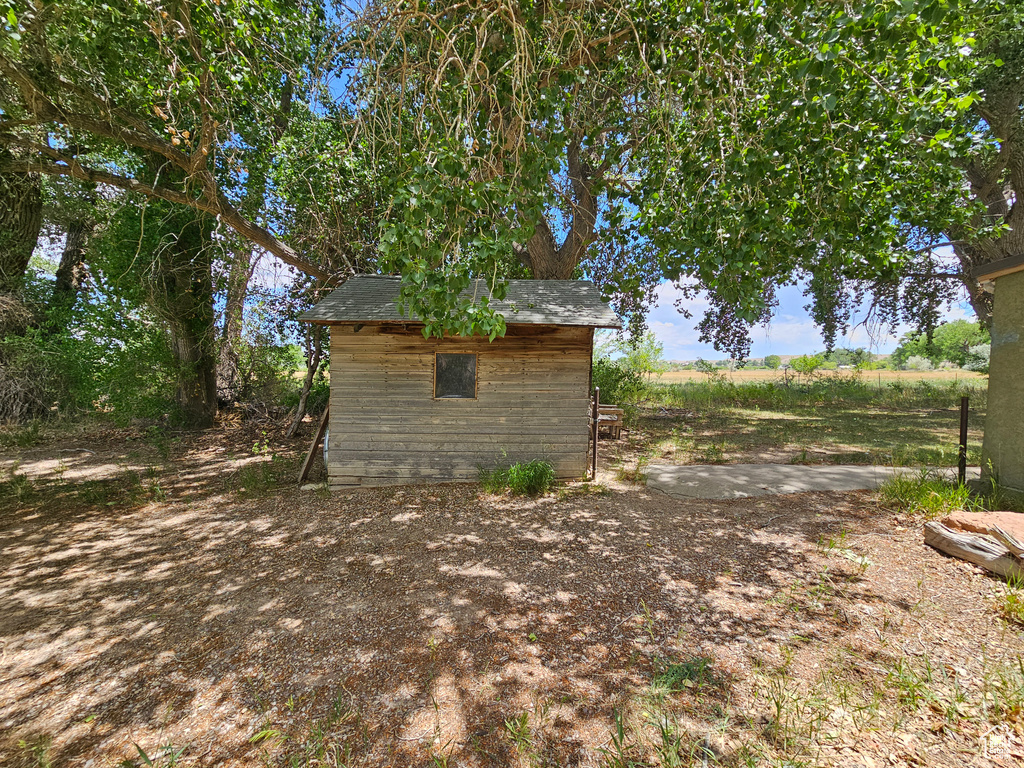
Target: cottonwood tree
83,87
188,113
731,146
993,166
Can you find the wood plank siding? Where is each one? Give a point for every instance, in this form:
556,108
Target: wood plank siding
533,396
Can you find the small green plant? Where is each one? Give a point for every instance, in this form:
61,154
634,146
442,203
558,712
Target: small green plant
262,447
19,486
575,490
22,437
638,474
1011,602
647,618
713,454
37,751
166,756
518,730
256,478
622,750
522,479
693,673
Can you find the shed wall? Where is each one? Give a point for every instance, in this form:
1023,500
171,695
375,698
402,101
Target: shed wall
1002,454
533,396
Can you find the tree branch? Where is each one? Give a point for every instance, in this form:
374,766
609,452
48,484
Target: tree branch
220,207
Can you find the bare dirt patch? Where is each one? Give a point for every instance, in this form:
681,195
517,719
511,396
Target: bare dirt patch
400,627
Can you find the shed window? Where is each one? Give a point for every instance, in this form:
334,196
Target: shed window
454,376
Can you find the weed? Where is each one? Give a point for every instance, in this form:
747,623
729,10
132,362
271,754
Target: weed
166,756
832,543
622,750
647,618
256,478
440,759
693,673
18,486
531,478
576,490
912,686
638,474
670,747
37,751
21,437
320,744
1002,689
713,454
1011,602
518,730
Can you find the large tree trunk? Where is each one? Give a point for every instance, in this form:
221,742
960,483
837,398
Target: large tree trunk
21,216
997,182
239,275
71,272
181,291
542,254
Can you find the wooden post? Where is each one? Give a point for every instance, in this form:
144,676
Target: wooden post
596,415
962,463
304,472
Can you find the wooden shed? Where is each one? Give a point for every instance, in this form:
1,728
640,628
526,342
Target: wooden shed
405,409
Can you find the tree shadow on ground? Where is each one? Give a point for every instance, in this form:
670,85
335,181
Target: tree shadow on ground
405,620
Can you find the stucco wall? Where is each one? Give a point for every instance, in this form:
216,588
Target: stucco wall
1003,450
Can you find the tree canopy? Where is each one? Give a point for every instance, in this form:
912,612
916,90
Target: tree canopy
731,147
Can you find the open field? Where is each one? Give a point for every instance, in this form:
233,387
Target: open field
175,591
829,421
744,376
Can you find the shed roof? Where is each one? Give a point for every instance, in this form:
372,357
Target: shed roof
989,272
372,299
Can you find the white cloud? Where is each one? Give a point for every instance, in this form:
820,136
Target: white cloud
790,332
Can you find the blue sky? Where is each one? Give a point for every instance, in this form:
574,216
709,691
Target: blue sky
791,332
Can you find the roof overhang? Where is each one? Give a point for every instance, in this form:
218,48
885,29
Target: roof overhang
988,274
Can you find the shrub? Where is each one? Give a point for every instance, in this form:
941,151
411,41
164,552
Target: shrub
618,383
807,364
977,358
522,479
919,363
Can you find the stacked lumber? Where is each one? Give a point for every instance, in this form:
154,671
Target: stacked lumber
981,538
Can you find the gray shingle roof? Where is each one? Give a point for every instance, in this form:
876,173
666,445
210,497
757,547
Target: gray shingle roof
371,299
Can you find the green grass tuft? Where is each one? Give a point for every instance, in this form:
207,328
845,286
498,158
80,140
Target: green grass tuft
522,479
925,494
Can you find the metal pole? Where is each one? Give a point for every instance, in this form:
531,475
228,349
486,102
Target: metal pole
962,465
596,416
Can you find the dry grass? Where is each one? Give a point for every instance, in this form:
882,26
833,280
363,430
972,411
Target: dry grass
439,626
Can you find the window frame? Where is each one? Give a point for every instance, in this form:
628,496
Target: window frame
476,377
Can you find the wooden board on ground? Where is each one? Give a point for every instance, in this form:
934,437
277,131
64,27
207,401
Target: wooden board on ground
980,550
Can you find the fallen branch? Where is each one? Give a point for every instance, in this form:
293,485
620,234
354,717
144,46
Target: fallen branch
1015,547
981,550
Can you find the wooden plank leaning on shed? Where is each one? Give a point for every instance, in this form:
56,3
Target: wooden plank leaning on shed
317,439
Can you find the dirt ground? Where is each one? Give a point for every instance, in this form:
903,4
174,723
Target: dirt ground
179,593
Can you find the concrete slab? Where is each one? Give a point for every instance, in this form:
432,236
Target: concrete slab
738,481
